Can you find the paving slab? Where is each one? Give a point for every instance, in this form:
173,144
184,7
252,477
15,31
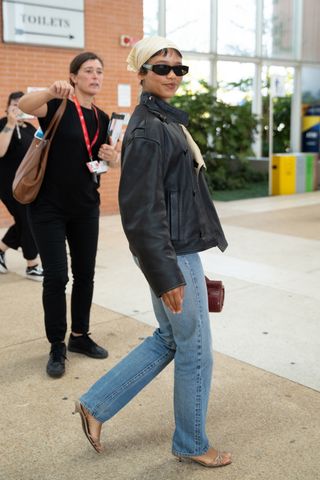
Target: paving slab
299,221
269,423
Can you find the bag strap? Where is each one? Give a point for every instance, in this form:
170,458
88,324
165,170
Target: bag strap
56,119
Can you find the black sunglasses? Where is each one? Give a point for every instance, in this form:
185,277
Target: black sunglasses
162,69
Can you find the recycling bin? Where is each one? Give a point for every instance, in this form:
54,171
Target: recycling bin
283,174
316,172
309,172
300,172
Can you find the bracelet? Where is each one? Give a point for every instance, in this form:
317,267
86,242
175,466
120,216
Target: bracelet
7,129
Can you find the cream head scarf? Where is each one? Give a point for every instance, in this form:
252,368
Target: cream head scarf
144,49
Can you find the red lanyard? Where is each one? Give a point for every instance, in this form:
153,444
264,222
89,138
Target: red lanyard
84,127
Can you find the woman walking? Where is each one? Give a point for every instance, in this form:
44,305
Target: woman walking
168,217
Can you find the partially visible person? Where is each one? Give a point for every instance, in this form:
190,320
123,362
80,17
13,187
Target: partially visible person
168,218
67,206
15,138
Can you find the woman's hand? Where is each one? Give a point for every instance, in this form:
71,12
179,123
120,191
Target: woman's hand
110,153
6,133
35,103
173,299
61,89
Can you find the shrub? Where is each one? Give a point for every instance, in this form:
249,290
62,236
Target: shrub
224,133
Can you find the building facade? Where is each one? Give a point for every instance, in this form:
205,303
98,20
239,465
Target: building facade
104,25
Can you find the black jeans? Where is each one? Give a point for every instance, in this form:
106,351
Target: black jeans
19,234
51,229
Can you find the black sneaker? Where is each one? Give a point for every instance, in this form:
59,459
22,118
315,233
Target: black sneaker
3,266
35,273
86,346
55,365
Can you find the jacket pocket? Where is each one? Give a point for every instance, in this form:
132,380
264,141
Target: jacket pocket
174,215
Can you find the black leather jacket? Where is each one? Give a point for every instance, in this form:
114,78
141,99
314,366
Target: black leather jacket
165,206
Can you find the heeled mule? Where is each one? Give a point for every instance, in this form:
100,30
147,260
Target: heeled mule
85,427
222,459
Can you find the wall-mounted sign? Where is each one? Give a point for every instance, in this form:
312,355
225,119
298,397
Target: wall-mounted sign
124,95
58,23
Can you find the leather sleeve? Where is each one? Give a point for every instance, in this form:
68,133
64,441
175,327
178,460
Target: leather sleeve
143,214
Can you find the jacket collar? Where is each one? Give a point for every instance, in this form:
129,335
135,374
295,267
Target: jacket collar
163,110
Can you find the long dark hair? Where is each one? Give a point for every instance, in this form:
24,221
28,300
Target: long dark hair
79,60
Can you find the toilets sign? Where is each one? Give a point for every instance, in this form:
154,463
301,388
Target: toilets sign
58,23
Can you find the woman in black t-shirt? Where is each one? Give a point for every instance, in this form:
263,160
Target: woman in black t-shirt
67,207
15,138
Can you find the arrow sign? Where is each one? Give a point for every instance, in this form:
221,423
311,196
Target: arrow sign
19,31
58,23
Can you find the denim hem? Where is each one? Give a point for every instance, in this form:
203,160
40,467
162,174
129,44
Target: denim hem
179,454
83,403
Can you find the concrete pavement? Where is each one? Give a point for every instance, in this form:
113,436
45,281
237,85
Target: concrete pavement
265,399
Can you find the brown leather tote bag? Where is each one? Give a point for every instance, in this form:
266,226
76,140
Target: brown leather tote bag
29,175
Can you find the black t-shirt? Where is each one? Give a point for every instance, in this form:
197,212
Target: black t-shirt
15,153
68,184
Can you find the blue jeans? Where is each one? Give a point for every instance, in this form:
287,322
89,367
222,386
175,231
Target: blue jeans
184,337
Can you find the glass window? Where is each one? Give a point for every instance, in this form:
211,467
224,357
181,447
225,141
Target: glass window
236,27
311,30
235,81
310,81
277,41
187,25
281,110
150,17
198,70
286,72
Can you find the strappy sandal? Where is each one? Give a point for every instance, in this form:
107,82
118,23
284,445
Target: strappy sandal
221,460
85,427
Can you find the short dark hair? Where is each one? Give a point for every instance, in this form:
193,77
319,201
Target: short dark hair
80,59
164,52
14,96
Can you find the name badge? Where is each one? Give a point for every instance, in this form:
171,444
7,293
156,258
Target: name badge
93,166
97,166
